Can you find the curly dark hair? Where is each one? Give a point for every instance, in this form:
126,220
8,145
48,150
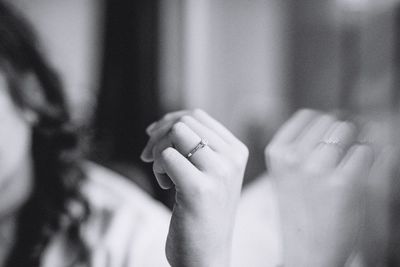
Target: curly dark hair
56,203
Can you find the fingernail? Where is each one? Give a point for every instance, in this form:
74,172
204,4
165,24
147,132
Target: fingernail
146,155
146,158
142,156
151,127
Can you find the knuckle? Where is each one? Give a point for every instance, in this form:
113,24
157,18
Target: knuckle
284,155
240,160
177,128
351,127
243,149
343,128
204,190
306,112
224,170
273,151
328,117
167,117
246,152
158,150
345,125
198,112
185,118
239,155
167,154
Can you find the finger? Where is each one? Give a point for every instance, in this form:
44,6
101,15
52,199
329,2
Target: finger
147,155
357,163
185,140
214,140
163,181
165,124
378,136
181,171
158,169
151,127
214,125
313,134
383,170
158,147
157,150
328,153
160,130
294,126
281,150
168,119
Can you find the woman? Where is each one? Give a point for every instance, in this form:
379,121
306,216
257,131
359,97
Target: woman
57,210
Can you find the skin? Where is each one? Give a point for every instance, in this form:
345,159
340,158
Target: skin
15,164
15,157
321,188
207,185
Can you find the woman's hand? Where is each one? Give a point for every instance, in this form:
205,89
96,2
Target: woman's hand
208,185
320,173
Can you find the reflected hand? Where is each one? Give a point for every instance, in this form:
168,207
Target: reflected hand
320,174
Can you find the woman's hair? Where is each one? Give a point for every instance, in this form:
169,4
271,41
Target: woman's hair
56,203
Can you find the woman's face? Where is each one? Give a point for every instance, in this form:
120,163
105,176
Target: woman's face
15,146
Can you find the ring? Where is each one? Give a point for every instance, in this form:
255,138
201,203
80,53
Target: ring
199,146
333,142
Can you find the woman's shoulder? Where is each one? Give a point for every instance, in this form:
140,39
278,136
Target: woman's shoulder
106,189
125,223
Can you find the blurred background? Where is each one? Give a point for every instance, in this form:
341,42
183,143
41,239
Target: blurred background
249,63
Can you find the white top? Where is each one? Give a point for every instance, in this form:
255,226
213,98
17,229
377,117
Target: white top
256,241
127,227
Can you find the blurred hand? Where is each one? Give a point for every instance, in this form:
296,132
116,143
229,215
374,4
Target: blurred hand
208,185
320,174
382,192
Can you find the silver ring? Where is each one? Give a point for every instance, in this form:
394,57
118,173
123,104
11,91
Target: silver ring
333,142
199,146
